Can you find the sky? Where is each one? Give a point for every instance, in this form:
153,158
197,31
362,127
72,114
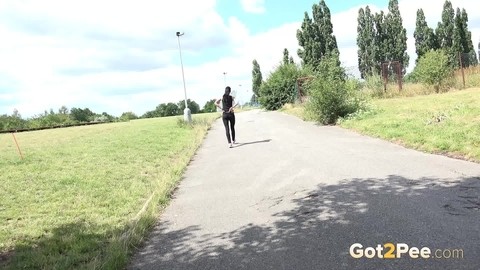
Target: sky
120,56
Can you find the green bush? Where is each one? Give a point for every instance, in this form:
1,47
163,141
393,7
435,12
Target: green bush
127,116
280,87
331,95
50,120
374,85
12,122
410,78
433,69
353,83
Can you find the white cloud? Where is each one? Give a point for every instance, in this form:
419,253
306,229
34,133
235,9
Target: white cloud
78,54
253,6
118,57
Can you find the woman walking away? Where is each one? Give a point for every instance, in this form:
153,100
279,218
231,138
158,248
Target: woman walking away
228,114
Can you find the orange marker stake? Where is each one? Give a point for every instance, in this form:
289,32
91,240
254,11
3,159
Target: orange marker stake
18,147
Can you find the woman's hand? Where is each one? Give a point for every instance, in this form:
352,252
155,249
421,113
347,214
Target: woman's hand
230,110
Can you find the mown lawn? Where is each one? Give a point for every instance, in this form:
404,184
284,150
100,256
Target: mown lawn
83,197
446,123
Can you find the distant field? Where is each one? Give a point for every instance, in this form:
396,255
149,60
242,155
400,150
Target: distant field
447,123
84,196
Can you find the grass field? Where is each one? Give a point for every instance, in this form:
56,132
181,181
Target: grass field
374,87
447,123
83,197
295,110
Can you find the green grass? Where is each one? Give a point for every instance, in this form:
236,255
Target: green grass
446,123
472,77
297,110
408,90
83,197
374,88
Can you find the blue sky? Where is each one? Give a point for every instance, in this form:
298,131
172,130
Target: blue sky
283,11
117,56
275,13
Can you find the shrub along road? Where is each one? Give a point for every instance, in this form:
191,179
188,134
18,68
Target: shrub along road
294,195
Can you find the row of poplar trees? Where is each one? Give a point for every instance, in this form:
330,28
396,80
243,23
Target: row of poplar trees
382,38
451,34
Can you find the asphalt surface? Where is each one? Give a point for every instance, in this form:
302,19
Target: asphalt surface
294,195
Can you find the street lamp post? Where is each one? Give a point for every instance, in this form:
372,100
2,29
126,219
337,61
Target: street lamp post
187,114
240,89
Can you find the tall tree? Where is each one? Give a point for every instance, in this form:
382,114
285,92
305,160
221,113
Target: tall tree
192,105
425,39
478,51
458,36
380,34
466,38
316,37
310,47
323,17
361,43
63,110
291,60
446,30
210,106
165,109
286,59
396,39
81,115
256,78
366,42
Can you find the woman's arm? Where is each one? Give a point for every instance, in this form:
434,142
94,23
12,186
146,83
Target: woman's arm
233,105
217,103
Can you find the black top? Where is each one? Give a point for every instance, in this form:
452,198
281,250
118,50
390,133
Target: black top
227,103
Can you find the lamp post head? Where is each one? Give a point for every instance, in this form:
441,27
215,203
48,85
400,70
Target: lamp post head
180,34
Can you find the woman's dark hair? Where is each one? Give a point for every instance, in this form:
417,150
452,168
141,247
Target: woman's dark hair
227,92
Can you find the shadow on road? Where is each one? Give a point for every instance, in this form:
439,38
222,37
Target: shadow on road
317,231
254,142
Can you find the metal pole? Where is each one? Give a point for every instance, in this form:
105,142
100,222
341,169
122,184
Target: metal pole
183,74
241,93
187,114
461,67
400,76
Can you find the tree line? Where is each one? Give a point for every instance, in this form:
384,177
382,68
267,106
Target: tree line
381,38
68,117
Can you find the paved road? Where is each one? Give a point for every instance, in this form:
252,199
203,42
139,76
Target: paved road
293,195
